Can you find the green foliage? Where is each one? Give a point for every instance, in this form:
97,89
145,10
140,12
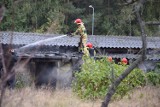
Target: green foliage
135,79
112,17
153,78
92,82
23,79
97,75
19,81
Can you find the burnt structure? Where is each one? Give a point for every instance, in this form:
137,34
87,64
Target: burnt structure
53,61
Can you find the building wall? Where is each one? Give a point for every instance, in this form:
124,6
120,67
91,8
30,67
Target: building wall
56,73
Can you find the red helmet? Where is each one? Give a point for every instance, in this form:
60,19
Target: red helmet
124,61
78,21
89,45
109,59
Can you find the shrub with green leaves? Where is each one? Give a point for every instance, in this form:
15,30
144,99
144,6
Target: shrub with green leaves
23,79
153,78
96,76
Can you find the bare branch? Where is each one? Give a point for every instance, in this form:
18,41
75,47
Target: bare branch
128,2
2,11
113,87
116,83
18,1
153,23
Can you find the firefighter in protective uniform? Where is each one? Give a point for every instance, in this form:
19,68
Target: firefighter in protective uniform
81,30
91,49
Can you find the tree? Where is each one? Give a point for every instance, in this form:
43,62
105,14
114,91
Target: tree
113,87
57,16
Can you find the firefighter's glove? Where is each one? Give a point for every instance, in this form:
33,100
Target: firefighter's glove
70,34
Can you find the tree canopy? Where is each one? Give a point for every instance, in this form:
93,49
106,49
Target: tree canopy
112,17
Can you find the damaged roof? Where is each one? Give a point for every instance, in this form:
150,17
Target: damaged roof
99,41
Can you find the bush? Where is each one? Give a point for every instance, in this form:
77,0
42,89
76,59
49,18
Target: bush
23,79
92,81
97,75
153,78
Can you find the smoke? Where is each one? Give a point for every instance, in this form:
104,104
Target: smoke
50,74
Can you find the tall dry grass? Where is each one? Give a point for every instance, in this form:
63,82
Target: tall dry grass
31,97
148,96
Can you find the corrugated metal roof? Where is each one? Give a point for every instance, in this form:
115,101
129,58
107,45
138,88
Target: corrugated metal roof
133,56
100,41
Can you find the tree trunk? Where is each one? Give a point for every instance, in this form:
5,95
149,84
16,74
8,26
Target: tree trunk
114,86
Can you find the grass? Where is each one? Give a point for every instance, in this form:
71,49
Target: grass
143,97
31,97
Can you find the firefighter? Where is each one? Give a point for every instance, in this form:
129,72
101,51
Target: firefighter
110,59
81,30
91,49
124,61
